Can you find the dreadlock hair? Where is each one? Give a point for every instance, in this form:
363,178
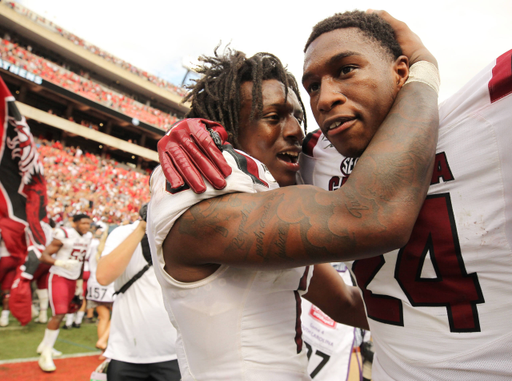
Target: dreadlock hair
216,95
369,24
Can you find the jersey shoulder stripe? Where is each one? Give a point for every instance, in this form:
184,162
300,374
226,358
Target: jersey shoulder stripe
310,142
247,165
501,83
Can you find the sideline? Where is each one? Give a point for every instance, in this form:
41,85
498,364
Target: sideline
30,359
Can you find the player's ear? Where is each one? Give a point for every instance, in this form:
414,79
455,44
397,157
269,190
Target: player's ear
401,71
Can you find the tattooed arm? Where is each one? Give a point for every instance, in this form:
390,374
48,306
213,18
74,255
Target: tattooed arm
373,213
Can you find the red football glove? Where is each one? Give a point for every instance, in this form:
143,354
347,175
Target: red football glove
188,149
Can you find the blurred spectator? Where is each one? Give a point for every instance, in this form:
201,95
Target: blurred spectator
142,339
99,297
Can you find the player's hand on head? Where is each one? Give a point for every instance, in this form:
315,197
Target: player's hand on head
68,264
188,150
411,44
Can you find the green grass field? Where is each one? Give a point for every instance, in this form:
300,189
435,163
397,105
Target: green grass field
17,342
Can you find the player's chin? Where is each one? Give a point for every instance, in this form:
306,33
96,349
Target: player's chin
350,147
285,171
286,179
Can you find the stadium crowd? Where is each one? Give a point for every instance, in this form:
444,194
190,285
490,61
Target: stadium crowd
79,84
81,182
94,49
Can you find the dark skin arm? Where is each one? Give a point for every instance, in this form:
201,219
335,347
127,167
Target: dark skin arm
52,248
342,303
373,213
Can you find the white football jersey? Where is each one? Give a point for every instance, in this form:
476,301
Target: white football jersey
440,307
329,343
74,246
237,324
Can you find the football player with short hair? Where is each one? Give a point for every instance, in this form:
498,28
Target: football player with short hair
439,307
70,246
233,263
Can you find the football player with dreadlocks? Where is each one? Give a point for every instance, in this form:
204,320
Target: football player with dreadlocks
233,263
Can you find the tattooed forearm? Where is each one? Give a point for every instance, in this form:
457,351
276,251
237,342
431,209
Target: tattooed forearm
281,242
240,239
399,158
372,213
355,208
260,243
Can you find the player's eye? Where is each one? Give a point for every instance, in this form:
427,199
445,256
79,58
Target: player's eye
313,87
347,69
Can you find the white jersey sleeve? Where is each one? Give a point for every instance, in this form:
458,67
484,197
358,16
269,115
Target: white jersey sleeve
61,234
439,308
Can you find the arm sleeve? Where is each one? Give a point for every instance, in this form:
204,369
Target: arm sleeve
59,234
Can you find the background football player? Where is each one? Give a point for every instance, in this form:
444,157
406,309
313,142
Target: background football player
70,246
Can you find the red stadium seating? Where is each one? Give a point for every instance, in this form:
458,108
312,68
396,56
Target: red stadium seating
56,74
95,50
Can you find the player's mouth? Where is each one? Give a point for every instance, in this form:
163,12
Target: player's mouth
290,158
337,125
